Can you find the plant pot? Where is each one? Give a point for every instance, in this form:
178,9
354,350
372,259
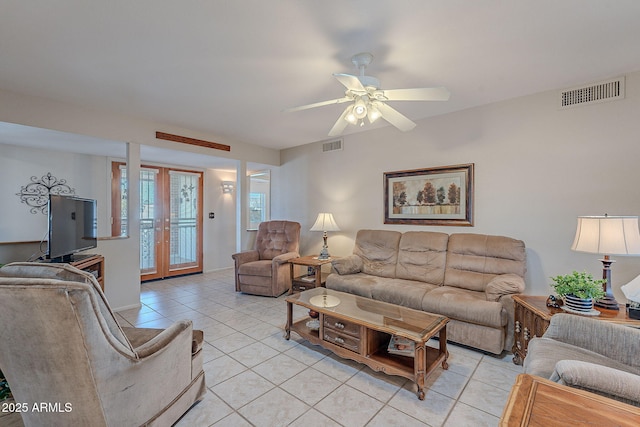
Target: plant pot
578,304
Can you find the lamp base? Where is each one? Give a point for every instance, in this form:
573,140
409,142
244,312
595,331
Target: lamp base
608,302
324,253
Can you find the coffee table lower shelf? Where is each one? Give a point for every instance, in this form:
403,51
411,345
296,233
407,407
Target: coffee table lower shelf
371,349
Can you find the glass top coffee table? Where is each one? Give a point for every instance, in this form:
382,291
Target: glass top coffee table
386,337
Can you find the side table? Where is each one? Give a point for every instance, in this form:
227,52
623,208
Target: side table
312,278
532,317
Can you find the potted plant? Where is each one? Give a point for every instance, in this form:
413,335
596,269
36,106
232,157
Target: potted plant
579,290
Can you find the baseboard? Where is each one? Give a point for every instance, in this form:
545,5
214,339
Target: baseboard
126,307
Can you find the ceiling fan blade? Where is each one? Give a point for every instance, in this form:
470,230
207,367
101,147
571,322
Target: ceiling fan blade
341,123
417,94
350,82
318,104
394,117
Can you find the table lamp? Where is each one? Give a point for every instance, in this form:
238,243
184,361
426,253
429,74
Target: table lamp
324,223
607,235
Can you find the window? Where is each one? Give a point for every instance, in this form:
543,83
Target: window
259,189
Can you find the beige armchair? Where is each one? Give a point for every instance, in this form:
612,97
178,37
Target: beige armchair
589,354
265,270
63,348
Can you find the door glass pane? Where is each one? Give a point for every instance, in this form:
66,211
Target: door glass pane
148,208
124,230
184,192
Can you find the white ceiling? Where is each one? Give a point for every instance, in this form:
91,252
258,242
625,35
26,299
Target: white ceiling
230,67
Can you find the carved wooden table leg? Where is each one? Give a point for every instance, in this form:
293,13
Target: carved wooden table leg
442,340
287,328
420,366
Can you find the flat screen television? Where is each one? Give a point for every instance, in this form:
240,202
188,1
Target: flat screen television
73,227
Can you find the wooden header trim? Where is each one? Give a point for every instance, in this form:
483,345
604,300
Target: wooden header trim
192,141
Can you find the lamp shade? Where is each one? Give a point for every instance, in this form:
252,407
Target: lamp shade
325,222
610,235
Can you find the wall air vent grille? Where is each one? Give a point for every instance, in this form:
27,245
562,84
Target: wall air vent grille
332,145
609,90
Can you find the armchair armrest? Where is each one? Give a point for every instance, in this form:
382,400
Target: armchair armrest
283,258
245,256
598,379
597,336
351,264
147,341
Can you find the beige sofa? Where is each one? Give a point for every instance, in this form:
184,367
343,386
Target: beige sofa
469,278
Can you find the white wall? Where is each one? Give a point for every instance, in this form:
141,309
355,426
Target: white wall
536,169
83,173
220,232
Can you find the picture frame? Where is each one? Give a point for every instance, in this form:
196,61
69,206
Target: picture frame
432,196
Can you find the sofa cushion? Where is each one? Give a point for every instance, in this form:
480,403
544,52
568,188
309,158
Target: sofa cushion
256,268
465,305
350,264
504,284
378,250
407,293
543,354
358,284
473,260
422,256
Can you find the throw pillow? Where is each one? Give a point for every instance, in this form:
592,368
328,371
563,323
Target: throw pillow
503,284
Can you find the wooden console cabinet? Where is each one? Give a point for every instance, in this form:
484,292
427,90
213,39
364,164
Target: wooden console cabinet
93,264
532,317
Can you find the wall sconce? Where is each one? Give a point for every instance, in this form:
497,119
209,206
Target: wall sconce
227,187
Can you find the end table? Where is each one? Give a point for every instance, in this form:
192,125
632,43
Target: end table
532,318
313,278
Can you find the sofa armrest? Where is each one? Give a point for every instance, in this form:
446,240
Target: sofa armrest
245,256
351,264
146,341
504,284
598,379
597,336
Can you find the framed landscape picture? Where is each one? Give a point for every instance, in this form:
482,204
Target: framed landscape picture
433,196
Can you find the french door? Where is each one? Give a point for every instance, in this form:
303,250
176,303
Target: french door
170,221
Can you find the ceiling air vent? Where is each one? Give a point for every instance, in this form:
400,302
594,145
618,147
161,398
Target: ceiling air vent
332,145
608,90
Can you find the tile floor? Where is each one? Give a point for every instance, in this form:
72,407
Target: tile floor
257,378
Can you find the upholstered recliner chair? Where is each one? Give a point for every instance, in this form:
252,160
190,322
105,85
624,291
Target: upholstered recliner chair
265,270
589,354
62,347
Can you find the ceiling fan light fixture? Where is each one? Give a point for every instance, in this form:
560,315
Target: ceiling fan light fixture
351,117
373,114
360,109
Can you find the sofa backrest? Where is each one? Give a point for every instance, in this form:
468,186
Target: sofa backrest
277,237
422,256
68,273
474,259
379,251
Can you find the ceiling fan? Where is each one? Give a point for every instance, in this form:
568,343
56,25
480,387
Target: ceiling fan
368,101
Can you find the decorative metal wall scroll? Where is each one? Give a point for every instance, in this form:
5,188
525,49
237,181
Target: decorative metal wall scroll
36,193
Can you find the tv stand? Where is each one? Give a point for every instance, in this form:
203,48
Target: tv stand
91,263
